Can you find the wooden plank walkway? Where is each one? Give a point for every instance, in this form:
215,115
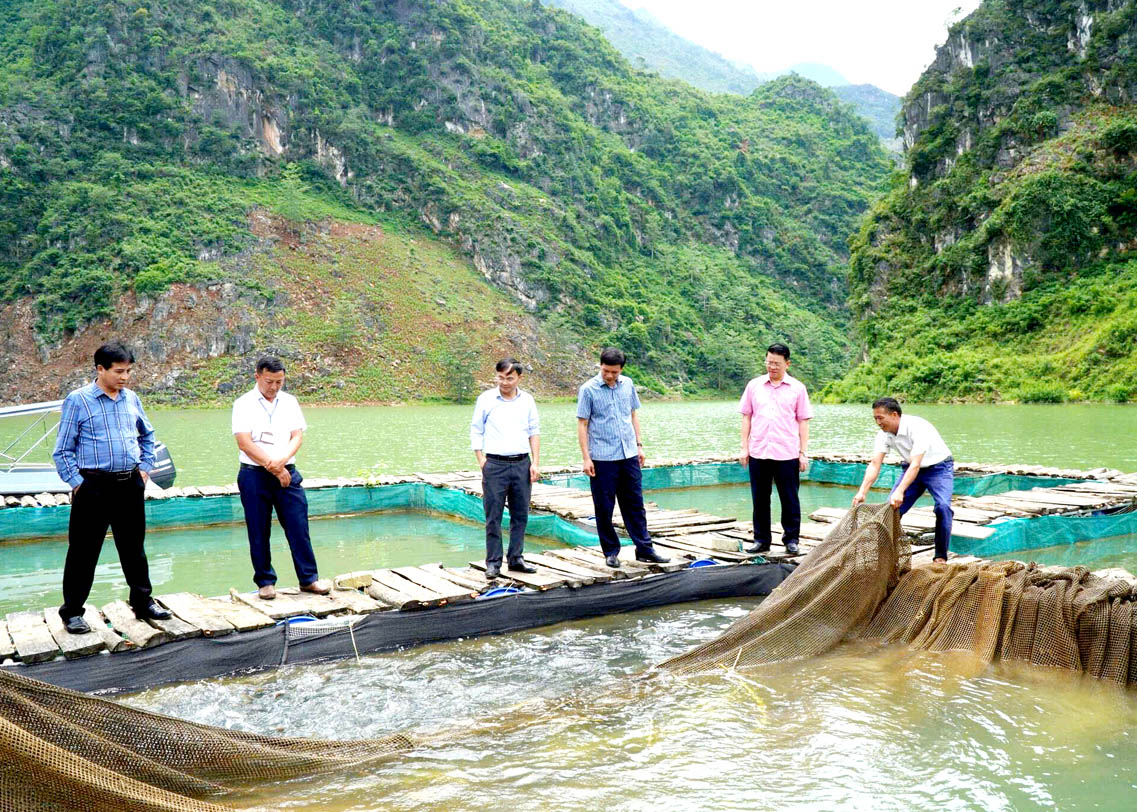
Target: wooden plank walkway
683,535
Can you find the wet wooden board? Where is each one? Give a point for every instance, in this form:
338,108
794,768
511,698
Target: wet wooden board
358,603
464,577
586,575
111,641
138,632
73,646
697,550
243,617
7,647
628,556
194,609
280,607
537,580
437,584
315,605
397,591
712,542
1055,497
177,628
966,530
31,637
578,557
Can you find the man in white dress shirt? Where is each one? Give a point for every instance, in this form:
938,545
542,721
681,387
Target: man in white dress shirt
505,436
927,462
269,428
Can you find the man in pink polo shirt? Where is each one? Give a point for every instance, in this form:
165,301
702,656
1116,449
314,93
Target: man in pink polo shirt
775,435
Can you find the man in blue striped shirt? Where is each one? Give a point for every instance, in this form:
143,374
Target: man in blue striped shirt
105,452
608,430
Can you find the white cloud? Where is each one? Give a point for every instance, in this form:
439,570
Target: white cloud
887,43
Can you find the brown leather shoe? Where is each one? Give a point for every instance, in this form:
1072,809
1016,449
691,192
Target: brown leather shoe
266,592
317,588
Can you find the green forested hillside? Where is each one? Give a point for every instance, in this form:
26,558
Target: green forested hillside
1001,265
616,206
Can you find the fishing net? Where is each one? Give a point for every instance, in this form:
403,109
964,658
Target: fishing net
61,750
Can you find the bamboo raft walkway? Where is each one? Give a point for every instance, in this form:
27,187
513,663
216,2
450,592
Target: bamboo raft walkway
684,535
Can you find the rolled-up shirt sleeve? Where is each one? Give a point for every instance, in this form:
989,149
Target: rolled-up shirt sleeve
534,427
146,456
478,427
65,456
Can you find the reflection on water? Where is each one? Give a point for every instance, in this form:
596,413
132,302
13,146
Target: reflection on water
857,729
734,500
210,560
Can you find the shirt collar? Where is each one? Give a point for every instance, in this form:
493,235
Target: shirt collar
499,396
96,390
598,382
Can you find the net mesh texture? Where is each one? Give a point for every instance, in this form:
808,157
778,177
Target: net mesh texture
62,750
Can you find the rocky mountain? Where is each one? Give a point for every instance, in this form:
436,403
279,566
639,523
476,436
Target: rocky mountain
1001,265
647,43
142,143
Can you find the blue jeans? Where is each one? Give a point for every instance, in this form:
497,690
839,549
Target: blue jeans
261,492
938,480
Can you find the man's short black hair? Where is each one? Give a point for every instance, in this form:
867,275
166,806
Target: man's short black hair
508,365
612,357
779,349
892,404
269,363
111,353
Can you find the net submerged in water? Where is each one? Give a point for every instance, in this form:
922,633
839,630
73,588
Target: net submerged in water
61,750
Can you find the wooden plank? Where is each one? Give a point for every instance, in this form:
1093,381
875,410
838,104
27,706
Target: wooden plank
966,530
680,530
471,579
243,617
314,605
73,646
1055,497
7,647
699,549
278,608
403,593
537,580
628,556
630,568
112,642
138,632
436,584
587,575
588,562
177,628
194,610
358,603
31,637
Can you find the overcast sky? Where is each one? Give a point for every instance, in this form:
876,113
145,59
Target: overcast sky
887,43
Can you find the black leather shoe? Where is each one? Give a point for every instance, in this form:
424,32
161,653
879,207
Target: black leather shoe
76,625
152,611
612,561
792,548
651,556
521,566
493,571
757,547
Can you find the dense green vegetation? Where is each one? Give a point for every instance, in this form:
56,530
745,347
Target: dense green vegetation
1000,267
690,228
648,44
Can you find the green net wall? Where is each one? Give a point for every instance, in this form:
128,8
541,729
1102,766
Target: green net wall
1014,535
195,511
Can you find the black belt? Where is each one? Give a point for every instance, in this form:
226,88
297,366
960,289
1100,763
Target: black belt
289,467
508,457
113,476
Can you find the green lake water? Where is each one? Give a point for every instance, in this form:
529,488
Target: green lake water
353,440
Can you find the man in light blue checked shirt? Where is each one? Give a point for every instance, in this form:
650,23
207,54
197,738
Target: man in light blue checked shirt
105,452
608,430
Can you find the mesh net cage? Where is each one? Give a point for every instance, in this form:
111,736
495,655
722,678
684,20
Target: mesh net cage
62,750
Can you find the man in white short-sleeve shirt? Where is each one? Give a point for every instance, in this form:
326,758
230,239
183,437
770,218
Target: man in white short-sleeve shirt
269,428
927,464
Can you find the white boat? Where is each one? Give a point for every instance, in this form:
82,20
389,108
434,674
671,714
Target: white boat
18,476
